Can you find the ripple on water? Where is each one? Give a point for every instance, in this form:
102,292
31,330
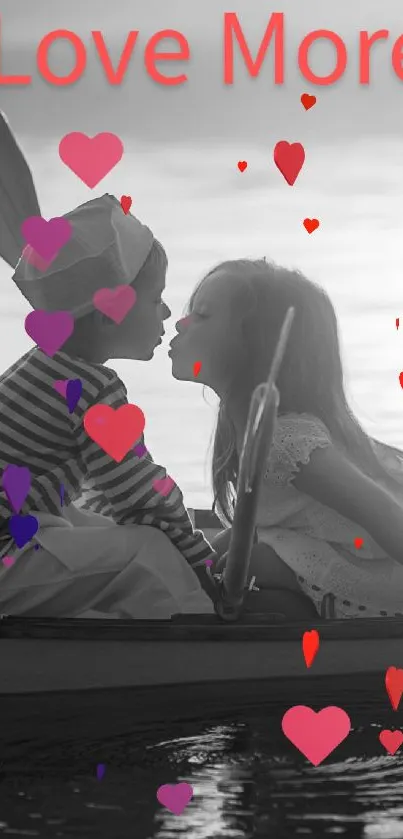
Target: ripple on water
245,785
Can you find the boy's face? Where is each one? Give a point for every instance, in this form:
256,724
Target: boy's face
141,331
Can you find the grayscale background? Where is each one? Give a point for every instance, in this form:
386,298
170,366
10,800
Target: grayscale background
182,146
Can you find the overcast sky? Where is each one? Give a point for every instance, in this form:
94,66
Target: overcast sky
182,146
203,107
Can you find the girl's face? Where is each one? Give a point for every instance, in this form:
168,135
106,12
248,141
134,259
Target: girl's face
209,334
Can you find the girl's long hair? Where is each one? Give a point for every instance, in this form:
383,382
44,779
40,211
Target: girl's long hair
311,376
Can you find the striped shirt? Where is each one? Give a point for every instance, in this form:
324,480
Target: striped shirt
37,431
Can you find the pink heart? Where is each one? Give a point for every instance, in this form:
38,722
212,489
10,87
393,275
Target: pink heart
50,330
31,256
8,561
164,485
61,386
46,237
116,302
175,797
316,735
91,158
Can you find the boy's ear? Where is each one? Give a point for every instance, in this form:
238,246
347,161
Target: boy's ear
102,322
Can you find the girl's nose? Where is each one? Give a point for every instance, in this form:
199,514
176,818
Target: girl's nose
166,312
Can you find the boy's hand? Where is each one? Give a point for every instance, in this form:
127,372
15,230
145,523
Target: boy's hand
219,565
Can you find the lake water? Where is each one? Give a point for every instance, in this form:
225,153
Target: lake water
246,783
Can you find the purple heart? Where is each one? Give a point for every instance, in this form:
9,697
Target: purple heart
139,450
46,237
22,529
73,393
16,484
100,771
50,330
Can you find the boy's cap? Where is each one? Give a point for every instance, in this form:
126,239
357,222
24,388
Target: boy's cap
119,244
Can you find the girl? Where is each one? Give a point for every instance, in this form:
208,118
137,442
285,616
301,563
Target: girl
134,556
329,522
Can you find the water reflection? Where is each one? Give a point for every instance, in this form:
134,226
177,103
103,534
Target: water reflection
245,785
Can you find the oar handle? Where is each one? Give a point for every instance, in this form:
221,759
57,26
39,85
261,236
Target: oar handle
257,441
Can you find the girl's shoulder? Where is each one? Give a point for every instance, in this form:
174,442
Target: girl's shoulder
291,426
296,436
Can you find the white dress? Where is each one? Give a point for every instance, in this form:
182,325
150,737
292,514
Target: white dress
315,541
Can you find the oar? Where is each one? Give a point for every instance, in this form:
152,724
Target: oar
256,446
18,199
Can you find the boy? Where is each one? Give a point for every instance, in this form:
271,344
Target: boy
129,551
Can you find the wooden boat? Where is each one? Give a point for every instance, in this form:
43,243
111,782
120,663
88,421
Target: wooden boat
69,679
66,681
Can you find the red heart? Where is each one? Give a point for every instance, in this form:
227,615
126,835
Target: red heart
311,224
242,165
196,368
126,203
289,158
308,101
358,542
391,740
401,379
310,646
394,685
116,432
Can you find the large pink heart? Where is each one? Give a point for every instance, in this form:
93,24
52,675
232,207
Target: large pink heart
91,158
115,302
316,735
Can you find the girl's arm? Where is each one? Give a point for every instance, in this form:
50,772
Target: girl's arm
332,479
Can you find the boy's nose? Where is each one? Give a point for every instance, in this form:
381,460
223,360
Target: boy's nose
181,323
166,312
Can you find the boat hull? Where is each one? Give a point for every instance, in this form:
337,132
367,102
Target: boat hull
69,681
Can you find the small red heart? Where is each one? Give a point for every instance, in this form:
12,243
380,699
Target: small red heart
242,165
394,685
289,159
126,203
310,646
311,224
391,740
401,379
196,368
308,101
358,542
